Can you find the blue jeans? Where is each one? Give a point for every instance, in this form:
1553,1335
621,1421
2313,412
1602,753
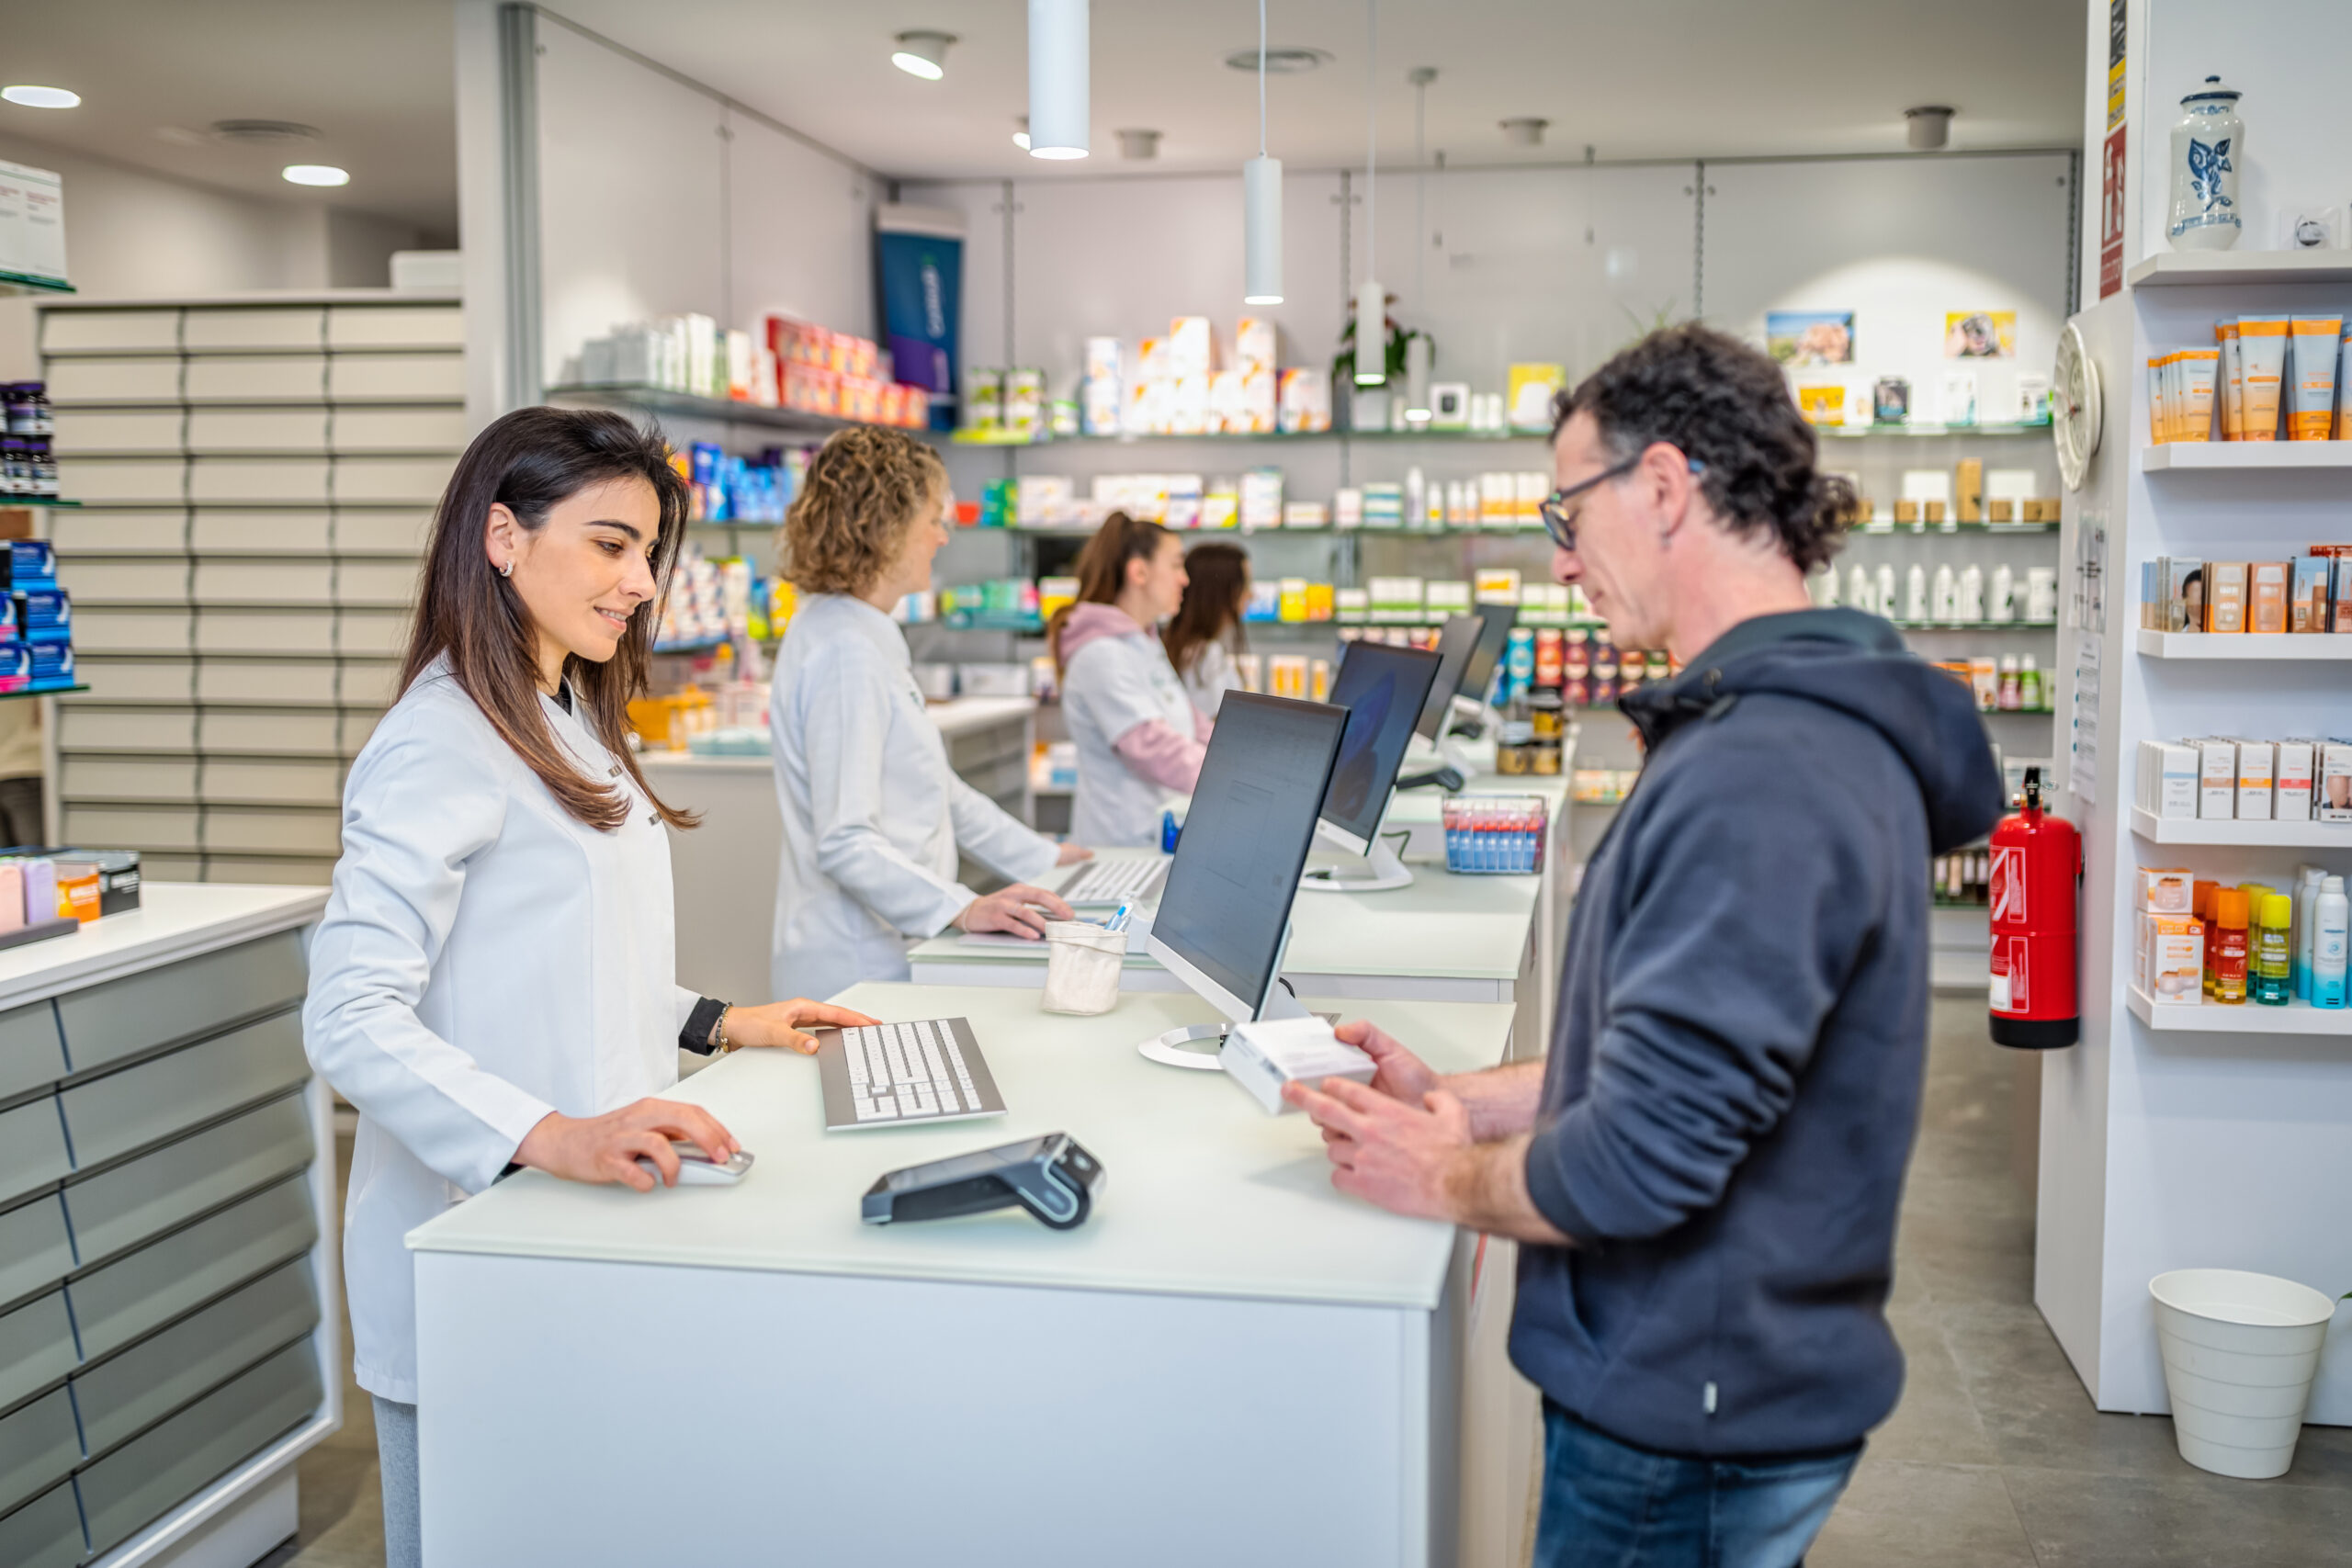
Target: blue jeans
1607,1505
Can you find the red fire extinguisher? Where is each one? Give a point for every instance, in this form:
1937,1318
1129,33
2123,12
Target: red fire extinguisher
2037,867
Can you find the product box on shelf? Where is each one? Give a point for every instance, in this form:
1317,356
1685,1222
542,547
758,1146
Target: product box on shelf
2217,768
2257,778
2291,801
2334,803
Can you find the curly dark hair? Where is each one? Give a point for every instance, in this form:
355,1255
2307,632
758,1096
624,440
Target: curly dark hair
1728,406
863,490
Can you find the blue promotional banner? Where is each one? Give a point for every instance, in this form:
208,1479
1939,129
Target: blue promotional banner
920,266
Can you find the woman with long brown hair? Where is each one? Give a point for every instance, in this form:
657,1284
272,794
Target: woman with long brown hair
1201,639
493,981
1140,739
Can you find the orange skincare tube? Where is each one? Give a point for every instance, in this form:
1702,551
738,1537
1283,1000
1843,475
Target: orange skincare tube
2228,385
2311,408
2262,355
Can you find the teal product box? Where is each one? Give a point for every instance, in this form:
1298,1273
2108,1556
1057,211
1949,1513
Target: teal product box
44,614
30,563
52,665
15,667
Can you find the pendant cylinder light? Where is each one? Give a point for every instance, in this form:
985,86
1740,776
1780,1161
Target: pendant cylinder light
1371,300
1372,334
1417,379
1059,107
1262,212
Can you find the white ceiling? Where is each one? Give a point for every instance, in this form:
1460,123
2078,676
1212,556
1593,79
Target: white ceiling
1630,78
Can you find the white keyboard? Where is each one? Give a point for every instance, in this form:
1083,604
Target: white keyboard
1116,880
925,1071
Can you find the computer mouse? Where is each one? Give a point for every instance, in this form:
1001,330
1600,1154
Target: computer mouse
696,1170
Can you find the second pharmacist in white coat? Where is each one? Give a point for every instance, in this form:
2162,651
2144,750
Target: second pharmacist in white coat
873,815
493,981
1140,739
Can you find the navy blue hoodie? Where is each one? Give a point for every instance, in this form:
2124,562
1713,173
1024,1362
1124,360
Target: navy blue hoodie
1732,1093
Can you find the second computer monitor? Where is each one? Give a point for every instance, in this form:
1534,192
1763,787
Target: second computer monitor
1225,909
1494,636
1455,643
1383,689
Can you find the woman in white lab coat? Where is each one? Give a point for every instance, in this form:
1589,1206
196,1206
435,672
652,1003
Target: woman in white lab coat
1140,739
492,982
873,815
1204,634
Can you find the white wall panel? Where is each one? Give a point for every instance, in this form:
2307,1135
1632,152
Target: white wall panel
798,233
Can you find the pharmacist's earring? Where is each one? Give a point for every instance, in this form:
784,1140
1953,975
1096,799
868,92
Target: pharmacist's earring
507,569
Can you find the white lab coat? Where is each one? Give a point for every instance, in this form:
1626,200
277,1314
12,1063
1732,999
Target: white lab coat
1213,675
1112,685
485,958
872,812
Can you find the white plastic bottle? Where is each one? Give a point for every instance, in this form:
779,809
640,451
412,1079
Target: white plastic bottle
2003,603
1945,595
2307,881
2328,941
1823,587
1859,594
1887,602
1972,595
1914,595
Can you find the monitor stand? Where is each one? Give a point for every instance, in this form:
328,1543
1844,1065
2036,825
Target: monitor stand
1197,1045
1384,868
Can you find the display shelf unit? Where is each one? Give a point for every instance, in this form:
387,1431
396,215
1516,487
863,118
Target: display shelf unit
16,284
2209,646
659,399
2203,269
257,479
2235,834
1974,625
2240,1018
41,692
1925,432
50,502
2213,457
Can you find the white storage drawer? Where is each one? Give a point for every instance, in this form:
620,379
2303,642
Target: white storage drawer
141,1386
399,430
396,326
291,479
256,430
78,383
392,482
265,732
35,1251
83,728
128,480
356,726
108,1117
38,1447
370,684
287,831
116,1210
266,581
263,631
45,1533
32,1148
381,634
120,1301
141,827
211,328
278,531
161,530
382,531
136,580
272,781
112,678
305,681
36,1346
185,1001
150,431
108,777
106,332
381,583
31,1053
130,1488
257,378
383,376
273,871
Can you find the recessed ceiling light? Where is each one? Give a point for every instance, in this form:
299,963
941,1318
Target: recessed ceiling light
34,98
923,53
316,175
1280,61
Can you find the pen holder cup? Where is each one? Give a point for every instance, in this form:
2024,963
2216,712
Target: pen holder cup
1082,967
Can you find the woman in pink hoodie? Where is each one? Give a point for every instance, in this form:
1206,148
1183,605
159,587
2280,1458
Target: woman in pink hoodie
1140,739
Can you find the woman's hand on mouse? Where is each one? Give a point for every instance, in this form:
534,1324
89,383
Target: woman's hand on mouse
783,1023
607,1148
1020,909
1070,854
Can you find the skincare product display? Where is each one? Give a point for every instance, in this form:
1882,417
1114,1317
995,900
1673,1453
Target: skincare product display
2224,778
2196,940
1971,597
2267,377
2307,595
779,363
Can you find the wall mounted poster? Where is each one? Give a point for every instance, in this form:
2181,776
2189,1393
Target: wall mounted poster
1810,337
1980,334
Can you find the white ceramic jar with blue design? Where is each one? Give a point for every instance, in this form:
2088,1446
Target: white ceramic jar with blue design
2207,149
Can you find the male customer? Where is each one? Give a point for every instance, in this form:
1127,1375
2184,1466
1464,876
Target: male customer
1707,1170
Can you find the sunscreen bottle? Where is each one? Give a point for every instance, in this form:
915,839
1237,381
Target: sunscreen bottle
2273,959
2328,912
2307,881
2229,947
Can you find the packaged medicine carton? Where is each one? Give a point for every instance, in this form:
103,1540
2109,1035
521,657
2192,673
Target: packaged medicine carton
2267,596
2307,595
2178,765
2257,761
2291,798
2217,767
2162,889
2184,594
2225,596
2334,783
2174,968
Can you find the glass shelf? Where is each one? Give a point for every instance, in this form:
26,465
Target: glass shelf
41,692
1924,432
1492,437
15,283
8,501
661,399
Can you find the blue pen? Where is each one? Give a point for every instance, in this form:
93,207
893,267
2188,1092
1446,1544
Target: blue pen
1118,920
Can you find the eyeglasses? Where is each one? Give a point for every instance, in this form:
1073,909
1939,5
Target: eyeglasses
1561,524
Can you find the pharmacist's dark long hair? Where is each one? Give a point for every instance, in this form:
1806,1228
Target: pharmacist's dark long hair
1101,568
531,460
1217,575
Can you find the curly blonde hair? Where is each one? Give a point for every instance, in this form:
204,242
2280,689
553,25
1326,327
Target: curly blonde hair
864,488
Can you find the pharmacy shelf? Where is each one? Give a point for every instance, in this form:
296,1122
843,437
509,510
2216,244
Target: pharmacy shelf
8,501
2195,268
2180,457
686,405
1903,530
42,692
2240,1018
2227,834
1974,625
15,283
2208,646
1918,432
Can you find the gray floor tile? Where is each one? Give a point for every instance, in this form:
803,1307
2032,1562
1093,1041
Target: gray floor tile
1922,1516
2192,1520
1936,1423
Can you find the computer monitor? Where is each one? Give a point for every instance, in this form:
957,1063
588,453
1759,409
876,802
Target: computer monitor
1383,689
1494,635
1224,917
1455,643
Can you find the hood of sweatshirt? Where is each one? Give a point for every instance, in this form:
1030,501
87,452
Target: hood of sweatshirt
1089,623
1854,664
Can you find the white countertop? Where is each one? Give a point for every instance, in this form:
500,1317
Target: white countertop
1207,1194
174,920
958,715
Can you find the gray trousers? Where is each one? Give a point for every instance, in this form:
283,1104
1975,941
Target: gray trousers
396,1461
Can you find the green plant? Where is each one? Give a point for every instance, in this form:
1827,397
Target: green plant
1343,368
